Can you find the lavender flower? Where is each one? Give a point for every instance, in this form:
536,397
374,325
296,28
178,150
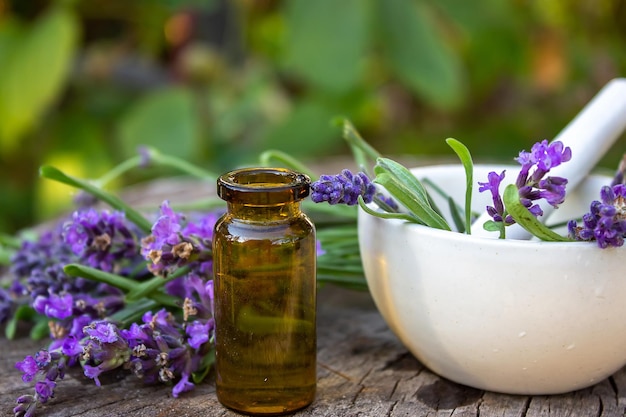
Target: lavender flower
493,185
37,268
101,239
344,188
55,306
161,352
104,350
606,221
40,263
531,184
176,242
50,365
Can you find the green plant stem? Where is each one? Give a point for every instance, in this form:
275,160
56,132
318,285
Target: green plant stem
146,290
133,312
134,216
117,281
362,150
148,287
118,171
385,215
466,159
287,160
155,158
182,165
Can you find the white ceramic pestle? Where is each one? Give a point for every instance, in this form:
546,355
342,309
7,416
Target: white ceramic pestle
589,135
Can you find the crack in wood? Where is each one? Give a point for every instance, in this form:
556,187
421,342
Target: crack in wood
613,385
526,407
336,372
393,390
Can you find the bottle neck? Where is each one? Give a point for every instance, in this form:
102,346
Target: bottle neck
264,213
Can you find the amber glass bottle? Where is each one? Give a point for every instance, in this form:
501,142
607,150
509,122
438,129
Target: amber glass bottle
265,293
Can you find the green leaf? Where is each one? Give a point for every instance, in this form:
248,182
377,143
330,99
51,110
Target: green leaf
112,200
165,120
361,150
493,226
11,328
134,311
409,197
34,72
125,284
41,328
326,41
466,159
23,312
526,219
384,214
148,287
117,281
457,218
403,175
417,52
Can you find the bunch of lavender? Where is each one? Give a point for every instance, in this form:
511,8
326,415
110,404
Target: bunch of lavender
159,350
104,240
90,277
88,322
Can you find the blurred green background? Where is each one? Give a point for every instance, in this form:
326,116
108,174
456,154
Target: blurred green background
83,83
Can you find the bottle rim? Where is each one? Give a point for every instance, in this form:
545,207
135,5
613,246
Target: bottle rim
263,185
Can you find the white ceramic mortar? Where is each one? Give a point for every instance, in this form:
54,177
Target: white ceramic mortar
512,316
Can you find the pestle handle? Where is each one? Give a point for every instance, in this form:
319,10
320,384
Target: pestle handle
589,135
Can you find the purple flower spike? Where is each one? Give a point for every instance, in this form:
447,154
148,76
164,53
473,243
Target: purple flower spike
179,241
344,188
493,186
531,184
544,156
101,239
606,221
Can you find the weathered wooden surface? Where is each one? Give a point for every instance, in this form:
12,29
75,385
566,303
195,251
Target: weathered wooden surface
363,371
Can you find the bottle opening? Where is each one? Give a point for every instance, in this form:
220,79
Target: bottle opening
263,186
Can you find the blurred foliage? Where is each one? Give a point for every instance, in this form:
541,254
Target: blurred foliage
83,83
